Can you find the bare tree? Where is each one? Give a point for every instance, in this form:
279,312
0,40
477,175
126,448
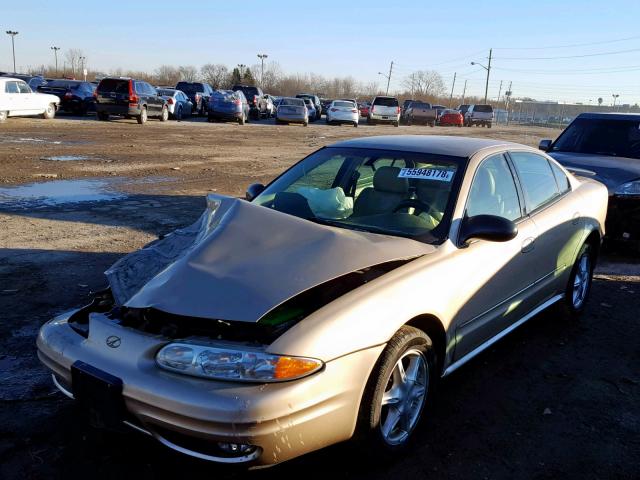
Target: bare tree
215,75
425,83
73,57
188,73
167,75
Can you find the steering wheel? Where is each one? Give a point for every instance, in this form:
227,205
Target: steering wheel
418,206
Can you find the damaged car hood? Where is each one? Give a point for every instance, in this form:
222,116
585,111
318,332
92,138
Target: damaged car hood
240,260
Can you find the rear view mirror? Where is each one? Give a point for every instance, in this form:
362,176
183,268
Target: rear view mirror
487,227
253,191
545,145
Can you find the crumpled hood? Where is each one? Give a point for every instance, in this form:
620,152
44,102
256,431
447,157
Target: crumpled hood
241,260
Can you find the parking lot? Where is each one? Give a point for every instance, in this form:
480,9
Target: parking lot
556,399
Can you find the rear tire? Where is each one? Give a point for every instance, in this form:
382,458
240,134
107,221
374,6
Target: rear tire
103,117
49,112
178,113
164,116
241,120
396,124
3,116
396,393
142,118
355,124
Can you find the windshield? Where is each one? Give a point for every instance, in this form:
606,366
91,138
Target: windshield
420,105
483,108
618,138
381,191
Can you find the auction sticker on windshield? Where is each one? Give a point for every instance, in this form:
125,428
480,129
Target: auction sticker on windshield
427,174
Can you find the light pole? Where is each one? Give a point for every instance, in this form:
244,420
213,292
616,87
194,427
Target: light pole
13,47
488,69
262,56
615,97
82,60
55,52
241,68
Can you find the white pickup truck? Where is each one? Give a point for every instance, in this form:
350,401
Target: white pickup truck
17,99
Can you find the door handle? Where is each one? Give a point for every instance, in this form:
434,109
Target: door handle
528,244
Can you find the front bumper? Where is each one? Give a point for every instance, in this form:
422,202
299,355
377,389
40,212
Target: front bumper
282,420
623,218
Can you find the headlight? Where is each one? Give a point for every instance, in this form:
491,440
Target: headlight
232,364
629,188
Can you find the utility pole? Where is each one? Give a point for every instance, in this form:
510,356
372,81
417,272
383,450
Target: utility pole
508,102
488,69
55,52
499,92
388,76
13,47
241,68
464,91
262,56
452,87
82,59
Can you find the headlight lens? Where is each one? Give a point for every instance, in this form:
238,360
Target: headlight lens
233,364
629,188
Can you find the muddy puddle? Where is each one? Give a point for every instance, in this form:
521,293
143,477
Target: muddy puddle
58,192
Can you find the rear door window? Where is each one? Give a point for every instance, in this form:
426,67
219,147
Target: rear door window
386,102
11,87
536,177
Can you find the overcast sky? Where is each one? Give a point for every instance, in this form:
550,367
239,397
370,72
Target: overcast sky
530,40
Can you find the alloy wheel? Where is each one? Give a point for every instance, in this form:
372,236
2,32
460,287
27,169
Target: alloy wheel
581,280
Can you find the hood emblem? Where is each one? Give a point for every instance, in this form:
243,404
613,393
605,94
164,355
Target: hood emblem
113,341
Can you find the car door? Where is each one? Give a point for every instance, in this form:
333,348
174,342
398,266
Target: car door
557,217
11,99
154,99
504,270
31,103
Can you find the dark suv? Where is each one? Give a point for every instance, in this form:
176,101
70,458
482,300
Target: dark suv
199,93
129,98
258,104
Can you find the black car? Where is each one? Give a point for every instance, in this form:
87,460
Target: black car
34,81
199,93
606,147
75,96
258,104
129,98
316,103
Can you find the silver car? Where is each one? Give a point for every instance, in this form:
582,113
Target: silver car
292,110
178,103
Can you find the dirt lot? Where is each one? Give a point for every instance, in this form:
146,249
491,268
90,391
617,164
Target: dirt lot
556,399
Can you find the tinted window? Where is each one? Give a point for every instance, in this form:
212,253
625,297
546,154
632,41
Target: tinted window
483,108
420,105
386,101
620,138
190,88
249,92
63,83
292,101
344,104
536,177
561,178
493,191
11,87
114,85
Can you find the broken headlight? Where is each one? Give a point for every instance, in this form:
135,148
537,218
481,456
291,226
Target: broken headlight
234,364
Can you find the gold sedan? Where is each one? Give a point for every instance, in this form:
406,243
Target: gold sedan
331,301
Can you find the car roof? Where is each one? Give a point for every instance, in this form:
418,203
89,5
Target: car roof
610,116
434,144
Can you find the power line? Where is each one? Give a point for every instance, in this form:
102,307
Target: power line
570,45
616,52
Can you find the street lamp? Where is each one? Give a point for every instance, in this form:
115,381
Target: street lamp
13,47
82,60
55,52
241,68
488,69
262,56
615,97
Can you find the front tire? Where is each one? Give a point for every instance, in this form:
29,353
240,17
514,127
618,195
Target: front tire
397,392
579,284
49,112
3,116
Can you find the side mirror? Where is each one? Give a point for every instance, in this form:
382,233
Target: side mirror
253,191
545,145
487,227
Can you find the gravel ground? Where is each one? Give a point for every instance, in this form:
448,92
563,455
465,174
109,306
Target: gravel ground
556,399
